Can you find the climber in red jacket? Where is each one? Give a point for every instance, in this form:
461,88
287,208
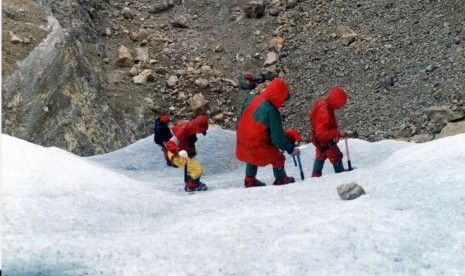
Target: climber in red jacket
261,137
325,132
181,149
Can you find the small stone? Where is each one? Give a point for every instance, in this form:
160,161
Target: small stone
350,191
15,39
172,81
271,58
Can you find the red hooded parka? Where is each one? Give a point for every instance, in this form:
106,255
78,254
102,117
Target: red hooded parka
322,116
260,134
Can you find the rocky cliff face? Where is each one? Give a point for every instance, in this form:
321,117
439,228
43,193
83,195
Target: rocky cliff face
90,76
54,96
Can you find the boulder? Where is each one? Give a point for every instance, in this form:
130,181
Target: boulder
254,9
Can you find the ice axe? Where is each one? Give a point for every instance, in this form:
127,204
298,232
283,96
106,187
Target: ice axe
300,167
295,162
184,155
300,164
294,137
302,176
348,155
186,158
185,171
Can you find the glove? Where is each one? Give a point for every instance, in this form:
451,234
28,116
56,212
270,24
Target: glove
183,154
293,135
251,79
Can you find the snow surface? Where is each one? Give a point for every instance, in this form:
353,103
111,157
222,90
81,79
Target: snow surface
125,213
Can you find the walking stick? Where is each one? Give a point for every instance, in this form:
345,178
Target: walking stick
300,167
295,163
185,171
348,155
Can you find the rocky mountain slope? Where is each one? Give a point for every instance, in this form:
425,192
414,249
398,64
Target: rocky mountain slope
91,76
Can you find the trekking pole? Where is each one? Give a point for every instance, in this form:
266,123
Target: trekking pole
185,171
300,167
348,155
295,163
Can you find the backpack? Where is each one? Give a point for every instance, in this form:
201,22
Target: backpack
162,133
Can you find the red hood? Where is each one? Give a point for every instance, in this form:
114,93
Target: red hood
337,98
197,125
276,92
164,119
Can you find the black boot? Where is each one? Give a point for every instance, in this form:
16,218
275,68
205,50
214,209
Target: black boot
317,168
193,185
338,167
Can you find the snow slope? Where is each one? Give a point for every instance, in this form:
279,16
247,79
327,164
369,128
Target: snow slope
125,213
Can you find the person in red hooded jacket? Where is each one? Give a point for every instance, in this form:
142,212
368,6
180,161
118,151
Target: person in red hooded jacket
260,135
181,149
325,131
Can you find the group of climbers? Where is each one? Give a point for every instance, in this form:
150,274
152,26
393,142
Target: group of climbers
260,137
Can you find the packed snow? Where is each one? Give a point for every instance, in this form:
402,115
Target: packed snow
126,213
